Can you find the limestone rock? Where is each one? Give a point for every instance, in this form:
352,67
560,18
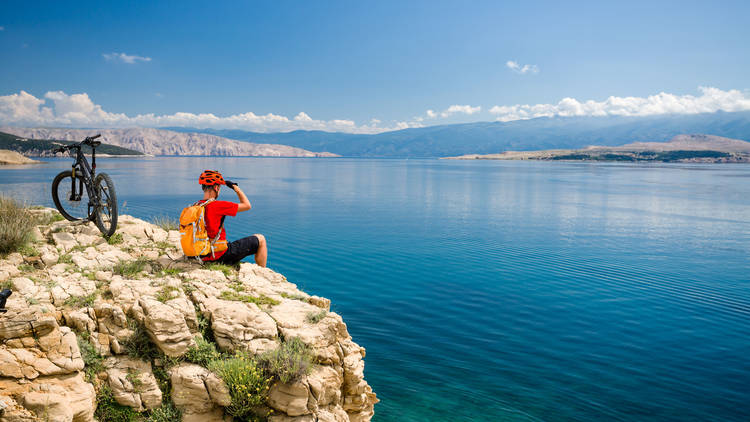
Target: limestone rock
64,240
64,398
323,337
198,393
166,327
132,383
241,326
290,398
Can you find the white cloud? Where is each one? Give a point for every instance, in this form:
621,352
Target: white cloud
527,68
125,58
78,110
460,109
454,109
710,100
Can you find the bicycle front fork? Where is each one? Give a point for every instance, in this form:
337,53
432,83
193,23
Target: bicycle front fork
75,195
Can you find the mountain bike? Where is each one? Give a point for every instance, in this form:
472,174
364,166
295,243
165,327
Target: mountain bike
79,194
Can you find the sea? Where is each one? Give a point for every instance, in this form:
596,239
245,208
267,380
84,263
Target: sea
498,290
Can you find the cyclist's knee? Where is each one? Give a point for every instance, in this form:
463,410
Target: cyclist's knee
261,239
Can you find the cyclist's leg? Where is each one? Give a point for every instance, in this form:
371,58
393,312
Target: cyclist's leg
244,247
261,255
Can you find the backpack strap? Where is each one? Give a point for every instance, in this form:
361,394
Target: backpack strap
221,227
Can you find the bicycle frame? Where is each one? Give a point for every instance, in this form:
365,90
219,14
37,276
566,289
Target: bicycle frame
86,178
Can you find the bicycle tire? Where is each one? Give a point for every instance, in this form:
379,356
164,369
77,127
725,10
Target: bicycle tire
69,211
106,211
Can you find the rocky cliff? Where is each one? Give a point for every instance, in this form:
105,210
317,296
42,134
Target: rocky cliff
166,142
98,328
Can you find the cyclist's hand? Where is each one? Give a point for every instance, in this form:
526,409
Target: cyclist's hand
230,184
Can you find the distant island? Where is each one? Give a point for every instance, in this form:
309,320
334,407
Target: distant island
695,148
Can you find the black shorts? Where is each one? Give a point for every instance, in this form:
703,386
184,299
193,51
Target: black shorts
239,249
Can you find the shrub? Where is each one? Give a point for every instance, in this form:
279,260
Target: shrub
247,383
166,222
16,223
138,345
130,268
167,412
91,358
202,353
260,300
115,239
289,362
316,317
204,325
108,410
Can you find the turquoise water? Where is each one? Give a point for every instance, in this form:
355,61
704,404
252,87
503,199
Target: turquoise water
501,290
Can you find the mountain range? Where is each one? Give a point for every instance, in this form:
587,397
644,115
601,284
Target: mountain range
496,137
433,141
165,142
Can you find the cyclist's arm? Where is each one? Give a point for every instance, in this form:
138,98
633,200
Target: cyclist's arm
244,204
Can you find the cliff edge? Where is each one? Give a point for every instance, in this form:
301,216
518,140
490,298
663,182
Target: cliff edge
126,328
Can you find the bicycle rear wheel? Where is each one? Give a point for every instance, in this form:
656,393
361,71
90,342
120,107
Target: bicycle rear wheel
106,209
72,202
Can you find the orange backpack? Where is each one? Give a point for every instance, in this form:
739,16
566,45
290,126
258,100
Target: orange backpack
193,235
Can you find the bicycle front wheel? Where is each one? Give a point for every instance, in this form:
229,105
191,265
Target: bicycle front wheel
70,196
106,210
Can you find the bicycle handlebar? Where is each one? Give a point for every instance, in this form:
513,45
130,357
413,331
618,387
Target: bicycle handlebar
88,141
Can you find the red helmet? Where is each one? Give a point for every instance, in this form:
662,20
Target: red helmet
211,177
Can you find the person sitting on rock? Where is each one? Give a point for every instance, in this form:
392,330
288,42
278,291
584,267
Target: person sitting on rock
216,210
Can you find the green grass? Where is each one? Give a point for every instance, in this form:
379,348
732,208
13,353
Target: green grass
166,222
92,360
7,284
16,222
115,239
228,270
80,301
65,258
203,352
166,293
167,412
300,297
134,377
164,245
248,384
108,410
130,269
172,271
289,362
28,250
259,300
47,218
26,268
316,317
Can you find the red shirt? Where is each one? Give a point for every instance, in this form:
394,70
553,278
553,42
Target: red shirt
215,213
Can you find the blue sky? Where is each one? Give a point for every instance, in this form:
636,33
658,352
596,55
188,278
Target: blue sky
354,62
